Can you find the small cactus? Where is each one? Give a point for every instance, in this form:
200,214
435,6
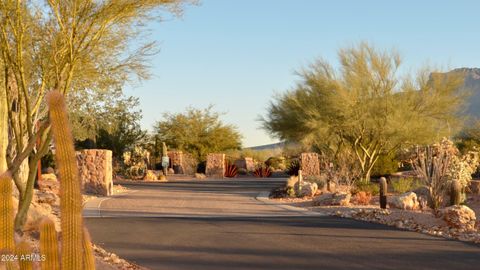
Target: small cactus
49,245
70,195
89,258
164,150
23,252
455,193
7,242
383,193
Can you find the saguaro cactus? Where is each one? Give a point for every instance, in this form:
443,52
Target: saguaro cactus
49,245
89,258
455,193
383,193
70,195
165,159
23,252
7,242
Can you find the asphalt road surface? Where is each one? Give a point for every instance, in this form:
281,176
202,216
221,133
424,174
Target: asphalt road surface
222,225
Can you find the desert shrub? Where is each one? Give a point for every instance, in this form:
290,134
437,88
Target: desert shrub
440,164
371,188
275,162
290,191
363,198
230,170
293,167
403,185
321,180
291,181
262,172
385,165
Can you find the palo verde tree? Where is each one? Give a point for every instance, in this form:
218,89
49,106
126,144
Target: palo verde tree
365,106
198,132
68,46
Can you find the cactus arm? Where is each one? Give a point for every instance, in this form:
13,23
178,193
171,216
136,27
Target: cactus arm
49,245
89,259
7,242
70,195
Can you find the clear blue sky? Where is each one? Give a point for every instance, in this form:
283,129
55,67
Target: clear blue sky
236,54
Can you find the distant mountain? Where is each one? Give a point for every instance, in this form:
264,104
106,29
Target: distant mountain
267,146
471,83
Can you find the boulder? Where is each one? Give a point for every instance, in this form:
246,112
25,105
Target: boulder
200,176
49,183
150,176
171,171
460,217
341,198
406,201
308,189
337,198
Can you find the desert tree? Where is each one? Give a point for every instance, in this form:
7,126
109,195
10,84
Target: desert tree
197,131
365,105
67,45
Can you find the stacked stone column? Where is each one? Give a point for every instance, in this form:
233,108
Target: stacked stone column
95,169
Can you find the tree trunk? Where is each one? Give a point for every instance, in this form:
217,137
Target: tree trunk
3,129
26,198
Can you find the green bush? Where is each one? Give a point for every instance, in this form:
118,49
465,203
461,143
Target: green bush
385,165
403,185
372,188
275,162
321,180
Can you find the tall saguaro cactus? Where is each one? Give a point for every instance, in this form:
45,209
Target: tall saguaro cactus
89,258
70,194
49,245
7,242
383,193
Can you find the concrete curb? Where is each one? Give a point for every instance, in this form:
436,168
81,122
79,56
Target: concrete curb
92,207
263,197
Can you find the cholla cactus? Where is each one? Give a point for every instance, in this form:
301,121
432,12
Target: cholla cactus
136,162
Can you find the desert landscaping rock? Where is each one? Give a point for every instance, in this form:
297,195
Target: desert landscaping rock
150,176
406,201
308,189
337,198
460,217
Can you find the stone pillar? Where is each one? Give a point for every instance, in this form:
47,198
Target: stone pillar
215,165
310,164
95,169
176,161
245,163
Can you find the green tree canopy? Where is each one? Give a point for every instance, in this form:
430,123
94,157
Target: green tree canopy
366,106
108,119
197,131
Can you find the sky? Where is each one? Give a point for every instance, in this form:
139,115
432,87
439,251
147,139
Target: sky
238,54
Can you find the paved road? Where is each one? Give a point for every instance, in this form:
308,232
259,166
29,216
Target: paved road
220,225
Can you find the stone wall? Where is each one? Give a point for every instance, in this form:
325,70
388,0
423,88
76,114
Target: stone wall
245,163
215,165
310,164
176,161
95,169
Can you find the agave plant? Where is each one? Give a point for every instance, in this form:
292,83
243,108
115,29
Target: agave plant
262,172
230,170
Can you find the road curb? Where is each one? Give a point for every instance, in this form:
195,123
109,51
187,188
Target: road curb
263,197
91,208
